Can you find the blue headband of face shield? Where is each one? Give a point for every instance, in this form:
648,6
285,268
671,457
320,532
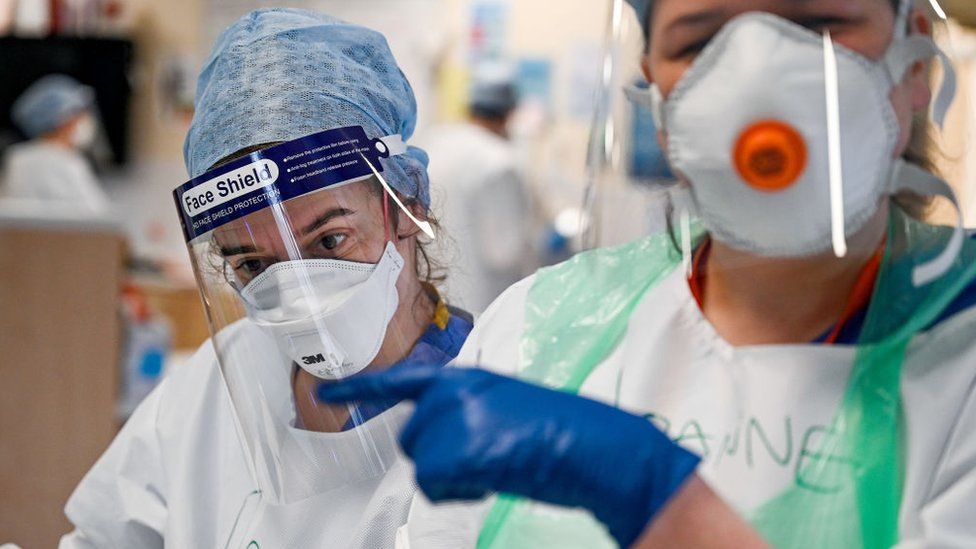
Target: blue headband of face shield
282,172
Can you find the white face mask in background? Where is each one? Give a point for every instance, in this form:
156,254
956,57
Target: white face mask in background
328,316
84,132
749,127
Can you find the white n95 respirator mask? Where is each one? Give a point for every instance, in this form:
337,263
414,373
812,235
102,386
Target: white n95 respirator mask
786,140
328,316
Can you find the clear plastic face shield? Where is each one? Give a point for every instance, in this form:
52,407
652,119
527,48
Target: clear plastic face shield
297,256
802,218
626,176
835,115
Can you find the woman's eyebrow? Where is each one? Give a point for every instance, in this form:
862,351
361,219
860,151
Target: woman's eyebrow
695,19
228,251
325,218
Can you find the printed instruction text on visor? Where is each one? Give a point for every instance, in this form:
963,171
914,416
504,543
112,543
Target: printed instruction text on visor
276,174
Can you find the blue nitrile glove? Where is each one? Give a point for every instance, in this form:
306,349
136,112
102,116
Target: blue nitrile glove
475,432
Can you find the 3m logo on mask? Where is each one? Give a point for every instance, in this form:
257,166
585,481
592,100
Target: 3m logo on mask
313,359
228,186
321,365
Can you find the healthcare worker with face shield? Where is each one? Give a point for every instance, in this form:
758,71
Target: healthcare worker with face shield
796,355
57,114
305,218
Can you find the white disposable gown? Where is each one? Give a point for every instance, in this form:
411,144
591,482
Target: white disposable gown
43,172
485,207
754,413
177,475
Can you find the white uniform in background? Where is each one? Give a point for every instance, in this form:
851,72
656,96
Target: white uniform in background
485,208
755,414
177,475
51,173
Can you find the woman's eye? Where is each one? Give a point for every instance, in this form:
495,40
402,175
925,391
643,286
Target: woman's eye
251,266
332,241
822,24
693,49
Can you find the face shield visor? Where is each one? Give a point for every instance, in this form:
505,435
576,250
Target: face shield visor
296,254
807,137
785,146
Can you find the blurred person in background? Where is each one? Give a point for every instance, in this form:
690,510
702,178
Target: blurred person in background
486,205
57,113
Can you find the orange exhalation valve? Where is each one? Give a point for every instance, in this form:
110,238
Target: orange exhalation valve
770,155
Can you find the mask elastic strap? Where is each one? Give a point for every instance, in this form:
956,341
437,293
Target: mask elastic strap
909,177
683,203
685,221
386,219
907,51
424,226
834,157
937,8
901,18
649,98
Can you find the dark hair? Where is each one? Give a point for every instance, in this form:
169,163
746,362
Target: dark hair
428,268
489,113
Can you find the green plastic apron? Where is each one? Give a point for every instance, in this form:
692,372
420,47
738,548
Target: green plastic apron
577,313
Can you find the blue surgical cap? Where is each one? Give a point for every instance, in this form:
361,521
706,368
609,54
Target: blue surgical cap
280,74
643,9
50,102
